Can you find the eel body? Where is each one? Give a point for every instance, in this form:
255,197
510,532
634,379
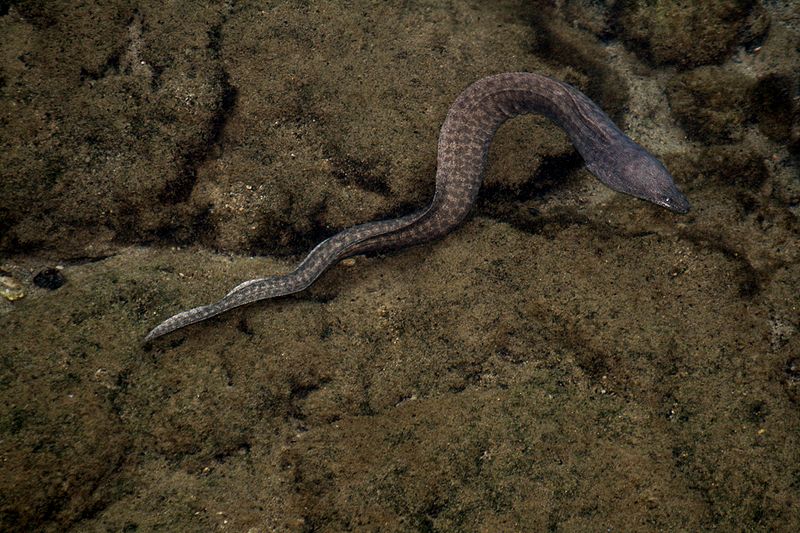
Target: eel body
463,146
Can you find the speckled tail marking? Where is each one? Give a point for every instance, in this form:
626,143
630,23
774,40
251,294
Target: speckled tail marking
464,141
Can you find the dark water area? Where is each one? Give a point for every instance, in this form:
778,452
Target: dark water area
570,359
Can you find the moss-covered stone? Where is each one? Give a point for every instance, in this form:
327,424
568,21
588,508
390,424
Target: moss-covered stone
774,109
588,15
711,103
688,34
734,166
106,111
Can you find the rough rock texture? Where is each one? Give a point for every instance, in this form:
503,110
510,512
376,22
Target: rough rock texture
102,128
569,359
712,104
689,34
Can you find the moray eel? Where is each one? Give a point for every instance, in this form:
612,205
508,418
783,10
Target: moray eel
471,122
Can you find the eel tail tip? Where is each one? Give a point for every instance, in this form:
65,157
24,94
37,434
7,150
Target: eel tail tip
154,334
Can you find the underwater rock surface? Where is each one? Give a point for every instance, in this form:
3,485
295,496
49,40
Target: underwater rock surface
568,359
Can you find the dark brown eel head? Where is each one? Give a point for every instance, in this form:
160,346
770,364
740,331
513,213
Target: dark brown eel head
628,168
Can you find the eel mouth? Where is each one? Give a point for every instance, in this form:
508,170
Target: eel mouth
675,202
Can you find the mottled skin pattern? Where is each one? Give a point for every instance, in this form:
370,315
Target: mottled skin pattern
463,146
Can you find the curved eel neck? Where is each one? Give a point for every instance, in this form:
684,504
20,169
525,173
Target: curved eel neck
476,115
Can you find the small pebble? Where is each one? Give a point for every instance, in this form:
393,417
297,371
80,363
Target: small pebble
10,289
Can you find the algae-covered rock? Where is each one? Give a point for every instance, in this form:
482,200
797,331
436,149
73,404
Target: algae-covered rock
777,116
714,103
588,15
688,34
711,103
106,111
